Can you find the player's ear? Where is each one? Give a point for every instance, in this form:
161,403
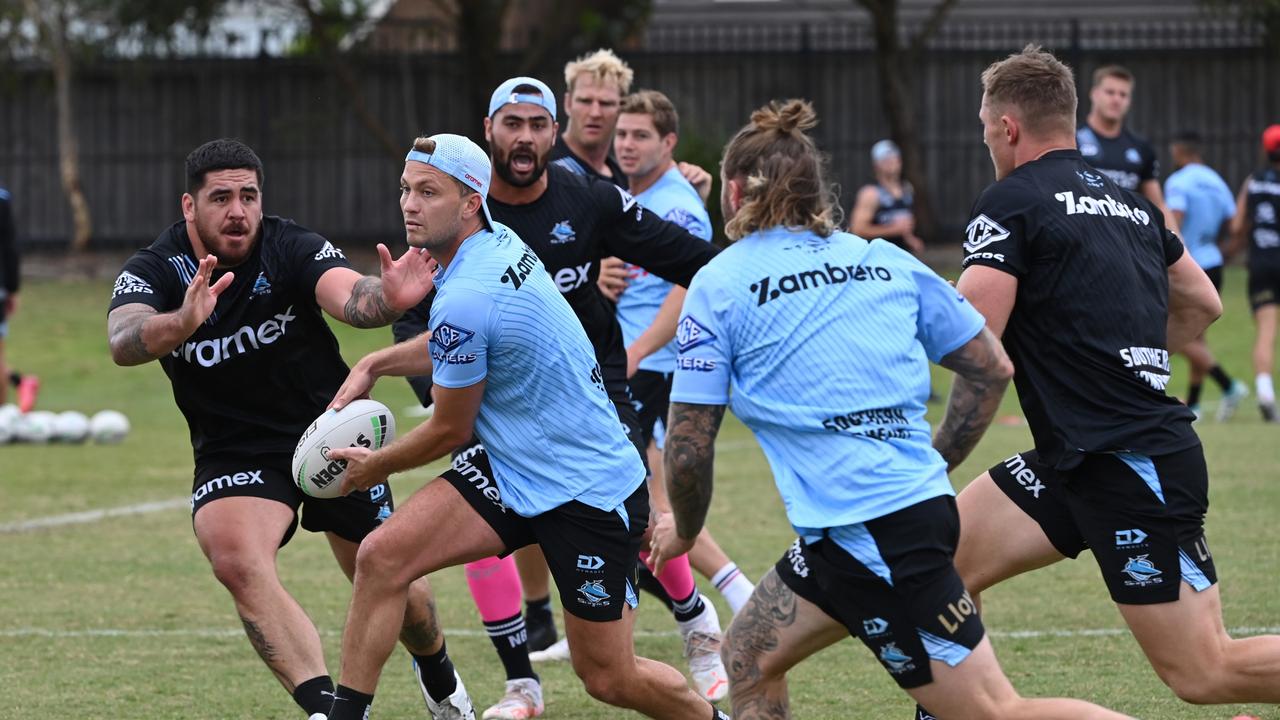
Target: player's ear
488,130
734,192
669,142
188,207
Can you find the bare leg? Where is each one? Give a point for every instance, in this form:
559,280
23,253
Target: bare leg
4,375
435,529
240,536
420,633
1264,345
1192,653
1200,359
604,656
535,576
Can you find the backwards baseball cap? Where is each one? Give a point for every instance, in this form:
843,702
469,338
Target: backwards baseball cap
460,158
506,95
1271,139
884,149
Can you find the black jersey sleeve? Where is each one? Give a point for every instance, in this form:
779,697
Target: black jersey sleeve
413,323
642,238
1150,164
149,280
999,231
309,255
1173,247
10,278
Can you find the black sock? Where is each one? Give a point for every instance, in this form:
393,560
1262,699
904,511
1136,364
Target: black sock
718,714
688,608
436,673
15,378
538,610
1193,393
511,640
1221,377
922,714
650,584
314,695
350,704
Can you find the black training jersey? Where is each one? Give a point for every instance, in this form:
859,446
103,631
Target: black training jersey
890,208
1087,334
1126,158
1262,203
9,276
577,222
265,364
564,157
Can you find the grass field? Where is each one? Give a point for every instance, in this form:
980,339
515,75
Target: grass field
121,618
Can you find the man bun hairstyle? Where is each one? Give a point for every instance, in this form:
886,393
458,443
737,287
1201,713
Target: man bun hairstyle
221,154
1040,87
783,174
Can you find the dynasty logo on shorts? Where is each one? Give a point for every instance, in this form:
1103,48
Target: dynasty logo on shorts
895,660
1142,572
593,594
591,563
875,627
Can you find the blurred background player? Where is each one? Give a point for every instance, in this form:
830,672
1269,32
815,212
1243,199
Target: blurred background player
10,280
1202,205
1256,223
1110,146
849,445
594,86
644,143
883,208
229,302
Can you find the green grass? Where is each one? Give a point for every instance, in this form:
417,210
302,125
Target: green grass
180,654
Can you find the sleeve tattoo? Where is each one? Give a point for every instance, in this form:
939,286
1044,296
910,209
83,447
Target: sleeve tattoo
367,307
982,374
124,331
688,457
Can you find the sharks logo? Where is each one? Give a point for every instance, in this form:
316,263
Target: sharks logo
896,660
593,593
1092,179
1143,572
261,286
384,512
1133,156
563,233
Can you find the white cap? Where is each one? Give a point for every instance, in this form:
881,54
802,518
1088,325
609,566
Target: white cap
458,157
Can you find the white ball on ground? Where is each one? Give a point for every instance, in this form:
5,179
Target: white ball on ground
363,423
108,427
35,427
7,422
71,427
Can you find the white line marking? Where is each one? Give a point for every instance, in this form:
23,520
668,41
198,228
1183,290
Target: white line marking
89,516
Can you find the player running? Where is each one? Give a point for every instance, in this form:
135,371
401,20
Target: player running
229,302
1256,223
851,453
510,364
1090,293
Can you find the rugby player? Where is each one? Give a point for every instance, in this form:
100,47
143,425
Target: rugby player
864,489
1201,204
883,208
229,301
1091,292
511,364
1256,224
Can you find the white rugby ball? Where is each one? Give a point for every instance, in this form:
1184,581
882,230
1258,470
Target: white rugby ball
108,427
35,427
71,427
363,423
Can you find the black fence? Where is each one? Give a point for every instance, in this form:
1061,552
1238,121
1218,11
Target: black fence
137,119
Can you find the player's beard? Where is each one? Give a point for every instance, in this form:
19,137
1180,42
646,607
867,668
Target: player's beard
230,252
502,164
441,238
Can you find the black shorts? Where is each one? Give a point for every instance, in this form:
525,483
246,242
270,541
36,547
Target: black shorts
892,583
1264,287
592,553
1215,277
1142,516
268,476
651,395
635,433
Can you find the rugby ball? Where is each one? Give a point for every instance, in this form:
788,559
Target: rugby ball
35,427
363,423
108,427
71,427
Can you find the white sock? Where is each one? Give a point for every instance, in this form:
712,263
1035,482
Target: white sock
733,585
1266,391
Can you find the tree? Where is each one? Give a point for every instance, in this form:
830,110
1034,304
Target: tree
895,64
64,33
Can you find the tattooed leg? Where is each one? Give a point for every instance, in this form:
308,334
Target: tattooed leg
773,632
421,634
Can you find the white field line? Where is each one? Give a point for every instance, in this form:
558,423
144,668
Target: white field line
476,633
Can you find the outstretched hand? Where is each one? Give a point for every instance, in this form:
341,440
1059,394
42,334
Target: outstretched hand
202,298
408,279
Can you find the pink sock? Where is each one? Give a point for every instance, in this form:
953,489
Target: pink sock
495,587
676,577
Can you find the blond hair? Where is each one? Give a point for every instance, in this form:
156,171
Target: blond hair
602,66
1040,86
782,172
657,106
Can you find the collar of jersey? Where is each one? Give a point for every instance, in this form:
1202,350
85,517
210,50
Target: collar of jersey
465,248
774,233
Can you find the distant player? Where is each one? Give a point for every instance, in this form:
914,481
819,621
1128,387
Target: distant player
883,208
511,364
229,302
645,141
1111,147
1091,292
844,431
1256,223
10,281
1202,205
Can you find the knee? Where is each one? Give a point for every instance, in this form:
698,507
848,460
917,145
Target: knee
745,662
378,561
1198,688
237,572
603,685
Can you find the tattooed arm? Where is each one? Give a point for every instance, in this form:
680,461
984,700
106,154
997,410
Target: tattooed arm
982,373
688,459
366,302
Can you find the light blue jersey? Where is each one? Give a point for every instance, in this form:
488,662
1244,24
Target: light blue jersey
497,317
826,344
1205,202
675,200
